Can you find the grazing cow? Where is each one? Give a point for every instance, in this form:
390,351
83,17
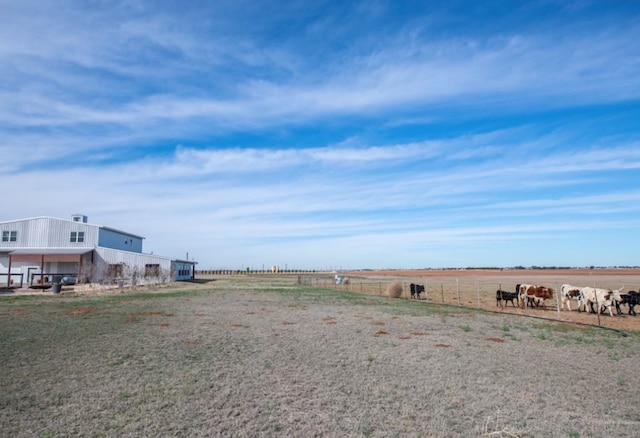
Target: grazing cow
603,298
506,296
416,290
631,299
535,295
568,293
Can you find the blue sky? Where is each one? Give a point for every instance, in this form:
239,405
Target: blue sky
327,135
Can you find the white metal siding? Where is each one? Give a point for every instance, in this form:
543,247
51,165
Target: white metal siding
4,263
48,233
60,233
111,247
131,261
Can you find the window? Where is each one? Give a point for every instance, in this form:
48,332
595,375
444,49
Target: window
9,236
152,270
77,236
114,271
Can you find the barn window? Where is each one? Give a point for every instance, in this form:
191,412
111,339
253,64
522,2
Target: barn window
151,270
77,236
114,271
9,236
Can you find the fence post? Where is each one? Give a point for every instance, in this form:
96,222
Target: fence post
597,304
458,291
478,290
558,301
442,292
426,290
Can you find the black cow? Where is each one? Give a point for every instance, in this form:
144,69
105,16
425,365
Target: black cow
506,296
631,299
416,290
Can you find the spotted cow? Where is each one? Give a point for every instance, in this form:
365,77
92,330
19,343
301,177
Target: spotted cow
535,296
568,293
603,298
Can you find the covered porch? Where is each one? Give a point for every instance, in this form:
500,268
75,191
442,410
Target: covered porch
45,266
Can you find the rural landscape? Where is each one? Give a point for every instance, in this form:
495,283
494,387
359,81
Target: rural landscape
268,355
360,219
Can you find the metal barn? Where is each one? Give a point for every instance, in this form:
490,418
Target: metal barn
37,252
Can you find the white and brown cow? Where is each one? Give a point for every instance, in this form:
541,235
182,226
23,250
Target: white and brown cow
568,293
522,297
534,295
602,298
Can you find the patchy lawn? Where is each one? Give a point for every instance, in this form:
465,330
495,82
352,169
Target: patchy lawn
268,357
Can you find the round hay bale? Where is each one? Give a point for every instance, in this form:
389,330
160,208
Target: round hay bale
394,290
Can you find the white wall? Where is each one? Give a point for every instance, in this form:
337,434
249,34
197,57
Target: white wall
133,264
48,232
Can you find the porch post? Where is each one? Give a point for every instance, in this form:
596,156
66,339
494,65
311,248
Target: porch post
79,270
9,274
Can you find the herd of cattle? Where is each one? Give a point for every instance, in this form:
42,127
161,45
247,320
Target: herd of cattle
587,298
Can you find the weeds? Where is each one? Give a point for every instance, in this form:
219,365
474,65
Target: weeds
78,356
494,427
365,428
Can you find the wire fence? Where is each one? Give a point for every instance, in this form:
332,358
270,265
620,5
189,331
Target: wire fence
473,293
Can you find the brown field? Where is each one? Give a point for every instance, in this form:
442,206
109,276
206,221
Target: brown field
248,356
476,289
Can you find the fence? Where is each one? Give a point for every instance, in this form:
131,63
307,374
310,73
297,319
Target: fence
446,292
16,280
478,293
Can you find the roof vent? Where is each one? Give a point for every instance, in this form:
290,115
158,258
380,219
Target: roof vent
79,218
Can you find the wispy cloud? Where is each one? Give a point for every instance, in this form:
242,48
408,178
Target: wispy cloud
349,132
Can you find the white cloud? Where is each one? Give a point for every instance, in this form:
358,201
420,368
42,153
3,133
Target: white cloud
383,142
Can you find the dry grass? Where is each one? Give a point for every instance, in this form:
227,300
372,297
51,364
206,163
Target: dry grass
477,289
394,290
268,358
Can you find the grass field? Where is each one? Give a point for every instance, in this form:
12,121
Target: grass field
266,357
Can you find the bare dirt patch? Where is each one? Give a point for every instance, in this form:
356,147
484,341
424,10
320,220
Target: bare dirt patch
81,311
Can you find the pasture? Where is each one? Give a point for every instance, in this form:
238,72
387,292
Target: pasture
265,356
476,289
